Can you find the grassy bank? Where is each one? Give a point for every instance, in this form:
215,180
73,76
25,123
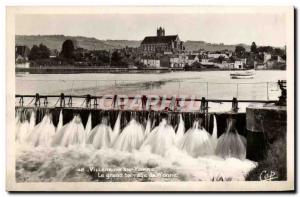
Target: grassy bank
275,163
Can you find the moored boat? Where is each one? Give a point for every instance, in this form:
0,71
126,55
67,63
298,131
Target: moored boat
248,74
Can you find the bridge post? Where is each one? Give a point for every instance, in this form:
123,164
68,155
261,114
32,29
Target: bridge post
45,101
95,102
62,100
283,96
37,100
235,107
204,105
144,101
88,101
70,101
21,101
114,101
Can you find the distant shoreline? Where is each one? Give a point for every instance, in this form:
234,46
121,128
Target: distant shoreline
74,70
78,70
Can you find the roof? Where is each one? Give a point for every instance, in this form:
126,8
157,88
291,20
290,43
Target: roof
159,39
191,57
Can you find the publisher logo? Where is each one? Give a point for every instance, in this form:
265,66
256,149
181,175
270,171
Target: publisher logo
266,175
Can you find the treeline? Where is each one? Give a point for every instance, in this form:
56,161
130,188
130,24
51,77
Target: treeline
72,55
39,52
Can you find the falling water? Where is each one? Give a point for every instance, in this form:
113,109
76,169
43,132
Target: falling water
148,127
161,139
230,143
197,141
131,137
60,122
22,128
190,154
180,130
214,137
32,121
88,128
117,128
72,133
100,136
42,133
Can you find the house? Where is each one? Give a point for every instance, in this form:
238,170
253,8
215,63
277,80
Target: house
267,57
191,59
238,64
21,52
206,63
224,65
280,59
150,62
174,61
22,64
217,55
20,59
178,61
165,61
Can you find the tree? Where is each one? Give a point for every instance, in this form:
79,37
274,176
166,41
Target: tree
253,47
240,51
34,53
266,49
44,51
68,49
116,59
39,52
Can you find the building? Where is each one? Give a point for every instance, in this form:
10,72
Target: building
238,64
217,55
161,43
151,62
206,63
22,53
267,57
191,59
178,61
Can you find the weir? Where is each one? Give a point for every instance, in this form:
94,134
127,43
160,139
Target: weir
141,116
225,124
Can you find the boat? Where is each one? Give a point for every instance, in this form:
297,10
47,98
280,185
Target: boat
247,74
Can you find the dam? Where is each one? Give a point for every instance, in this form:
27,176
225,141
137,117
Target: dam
80,121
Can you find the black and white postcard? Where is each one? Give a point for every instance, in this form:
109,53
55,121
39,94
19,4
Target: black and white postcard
150,98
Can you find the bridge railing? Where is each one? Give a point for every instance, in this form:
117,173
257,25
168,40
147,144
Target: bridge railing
119,102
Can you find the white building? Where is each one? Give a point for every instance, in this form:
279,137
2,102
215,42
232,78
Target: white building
23,65
267,56
178,61
238,64
151,62
217,55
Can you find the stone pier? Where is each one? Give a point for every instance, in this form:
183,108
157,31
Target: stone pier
265,125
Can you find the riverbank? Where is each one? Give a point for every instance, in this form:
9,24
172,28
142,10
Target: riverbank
75,69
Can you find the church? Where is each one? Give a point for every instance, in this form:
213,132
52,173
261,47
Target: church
162,43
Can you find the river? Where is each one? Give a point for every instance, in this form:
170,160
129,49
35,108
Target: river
209,84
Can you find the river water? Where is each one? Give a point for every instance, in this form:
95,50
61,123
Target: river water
208,84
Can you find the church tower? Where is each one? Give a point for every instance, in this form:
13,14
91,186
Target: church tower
160,32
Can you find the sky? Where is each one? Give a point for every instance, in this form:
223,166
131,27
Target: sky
263,29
